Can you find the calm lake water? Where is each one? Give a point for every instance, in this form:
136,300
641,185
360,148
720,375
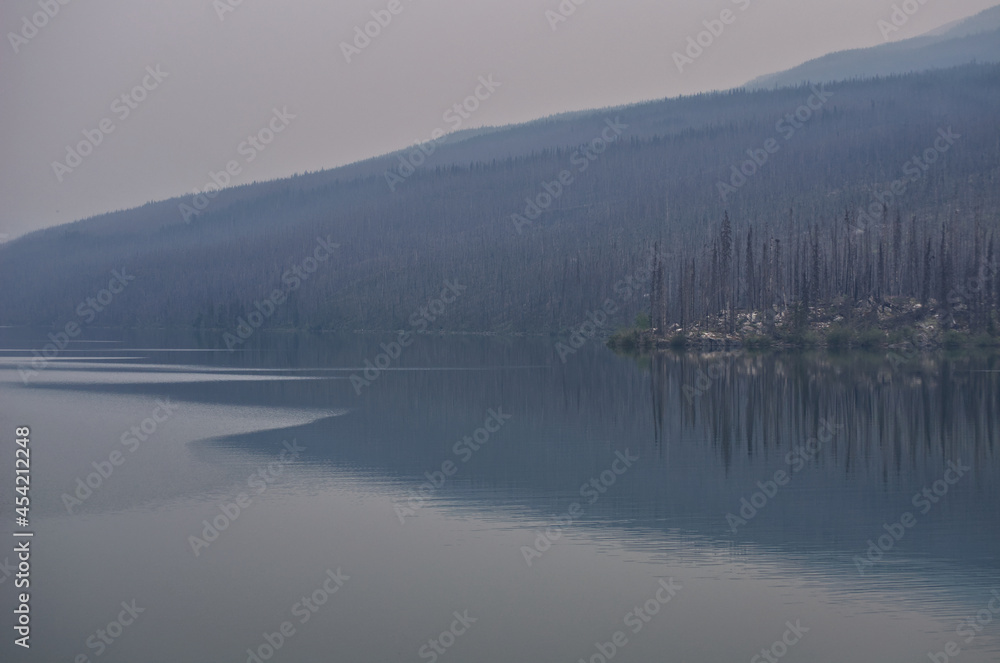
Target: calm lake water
596,510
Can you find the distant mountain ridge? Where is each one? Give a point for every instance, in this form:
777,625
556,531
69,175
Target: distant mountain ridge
973,39
984,21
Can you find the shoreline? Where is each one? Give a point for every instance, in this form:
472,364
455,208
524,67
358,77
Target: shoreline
910,328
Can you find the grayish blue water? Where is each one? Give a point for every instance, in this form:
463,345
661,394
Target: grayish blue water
367,521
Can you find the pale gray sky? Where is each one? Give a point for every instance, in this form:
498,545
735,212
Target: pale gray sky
225,77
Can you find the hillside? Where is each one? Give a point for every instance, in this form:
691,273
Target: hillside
975,39
453,218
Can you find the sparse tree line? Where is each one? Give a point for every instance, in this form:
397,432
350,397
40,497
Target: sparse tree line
950,266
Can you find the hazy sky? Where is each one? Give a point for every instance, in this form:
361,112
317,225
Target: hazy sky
222,78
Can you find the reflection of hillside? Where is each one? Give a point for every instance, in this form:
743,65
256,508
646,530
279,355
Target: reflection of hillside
746,408
923,411
699,457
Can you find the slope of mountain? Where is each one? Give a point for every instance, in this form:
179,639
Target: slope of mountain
588,211
985,21
975,39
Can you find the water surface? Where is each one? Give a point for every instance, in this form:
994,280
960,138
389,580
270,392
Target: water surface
613,477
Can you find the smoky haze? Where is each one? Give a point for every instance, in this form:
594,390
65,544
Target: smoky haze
216,72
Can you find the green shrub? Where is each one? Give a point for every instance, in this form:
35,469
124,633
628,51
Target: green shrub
870,339
678,341
624,339
986,341
758,342
806,339
952,340
839,338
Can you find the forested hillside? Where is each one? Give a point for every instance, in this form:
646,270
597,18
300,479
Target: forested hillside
665,172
